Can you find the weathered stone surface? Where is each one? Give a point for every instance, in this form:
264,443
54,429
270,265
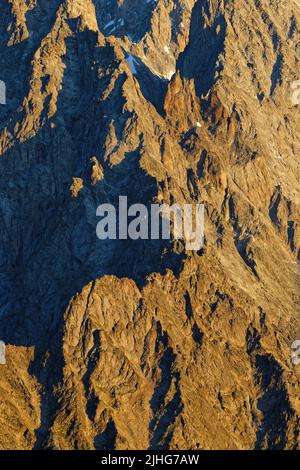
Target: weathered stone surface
139,344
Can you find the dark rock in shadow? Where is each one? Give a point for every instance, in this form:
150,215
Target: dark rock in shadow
106,440
200,59
164,415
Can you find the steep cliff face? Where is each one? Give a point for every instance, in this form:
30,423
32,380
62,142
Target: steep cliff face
143,344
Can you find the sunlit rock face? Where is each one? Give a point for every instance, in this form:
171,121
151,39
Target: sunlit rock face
123,344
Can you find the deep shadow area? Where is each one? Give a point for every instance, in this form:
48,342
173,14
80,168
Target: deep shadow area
121,18
199,60
274,404
106,440
276,77
164,415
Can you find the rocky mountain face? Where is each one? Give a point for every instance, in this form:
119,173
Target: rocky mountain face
123,344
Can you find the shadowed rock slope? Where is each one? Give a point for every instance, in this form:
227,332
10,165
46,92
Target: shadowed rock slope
142,344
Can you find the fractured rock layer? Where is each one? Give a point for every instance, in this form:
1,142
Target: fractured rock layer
122,344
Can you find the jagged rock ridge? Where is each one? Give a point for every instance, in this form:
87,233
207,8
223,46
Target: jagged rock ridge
123,344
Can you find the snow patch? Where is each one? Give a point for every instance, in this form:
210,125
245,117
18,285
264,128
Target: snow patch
133,63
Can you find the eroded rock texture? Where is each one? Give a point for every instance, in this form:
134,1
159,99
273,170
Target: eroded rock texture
139,344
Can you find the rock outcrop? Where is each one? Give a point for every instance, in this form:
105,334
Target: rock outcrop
123,344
